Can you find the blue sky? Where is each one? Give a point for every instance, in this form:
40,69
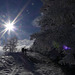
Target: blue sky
9,10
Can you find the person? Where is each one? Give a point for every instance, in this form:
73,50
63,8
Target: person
24,51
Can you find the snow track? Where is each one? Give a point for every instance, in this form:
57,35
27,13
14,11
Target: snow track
18,64
14,64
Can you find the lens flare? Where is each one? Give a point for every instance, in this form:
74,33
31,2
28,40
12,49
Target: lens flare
9,26
66,47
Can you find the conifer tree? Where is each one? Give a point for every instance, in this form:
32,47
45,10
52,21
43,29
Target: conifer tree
57,28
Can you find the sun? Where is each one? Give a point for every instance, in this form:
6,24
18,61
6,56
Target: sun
9,26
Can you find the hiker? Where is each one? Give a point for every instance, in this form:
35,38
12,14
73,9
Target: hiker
24,51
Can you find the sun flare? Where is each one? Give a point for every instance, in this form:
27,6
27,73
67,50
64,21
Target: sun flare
9,26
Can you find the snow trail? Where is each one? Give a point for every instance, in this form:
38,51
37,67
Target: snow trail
15,64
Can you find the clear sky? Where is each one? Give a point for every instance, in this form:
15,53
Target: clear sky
9,9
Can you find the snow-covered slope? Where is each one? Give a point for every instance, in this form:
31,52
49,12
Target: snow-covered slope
25,42
17,64
13,65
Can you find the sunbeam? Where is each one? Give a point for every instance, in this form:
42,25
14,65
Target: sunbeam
9,26
3,33
21,11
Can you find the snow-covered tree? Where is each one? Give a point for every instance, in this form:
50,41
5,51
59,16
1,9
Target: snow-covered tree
57,27
11,44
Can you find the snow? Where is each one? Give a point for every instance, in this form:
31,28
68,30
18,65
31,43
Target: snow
10,65
1,51
46,67
15,64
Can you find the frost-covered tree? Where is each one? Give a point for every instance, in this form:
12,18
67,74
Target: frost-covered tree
57,28
11,44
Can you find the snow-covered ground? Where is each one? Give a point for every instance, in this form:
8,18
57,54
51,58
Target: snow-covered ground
46,66
16,64
10,65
